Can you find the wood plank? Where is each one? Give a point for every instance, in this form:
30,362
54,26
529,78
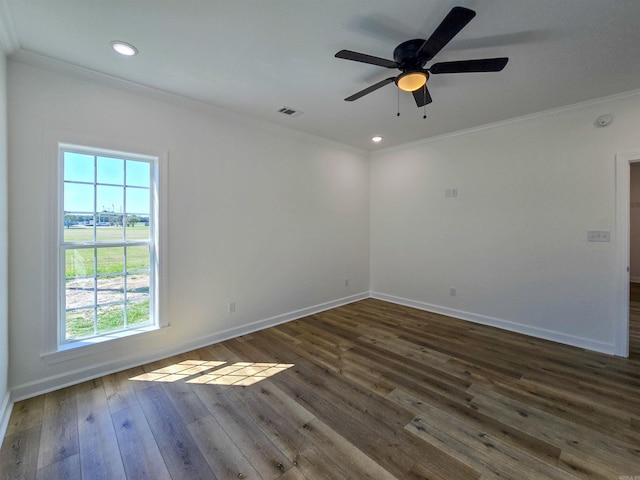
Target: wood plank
223,456
286,434
564,404
580,441
284,404
344,453
476,420
393,451
282,431
59,437
99,452
88,386
185,401
19,454
66,469
266,458
120,391
138,448
294,474
25,414
491,448
181,454
407,349
483,462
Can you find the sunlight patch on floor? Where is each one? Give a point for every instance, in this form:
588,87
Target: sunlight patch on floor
209,372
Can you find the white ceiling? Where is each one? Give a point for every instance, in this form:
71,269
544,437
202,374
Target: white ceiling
255,56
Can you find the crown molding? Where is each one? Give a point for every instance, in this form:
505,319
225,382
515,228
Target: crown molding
65,68
512,121
8,37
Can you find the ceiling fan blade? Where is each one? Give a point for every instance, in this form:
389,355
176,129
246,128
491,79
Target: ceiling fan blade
422,96
370,89
455,21
361,57
468,66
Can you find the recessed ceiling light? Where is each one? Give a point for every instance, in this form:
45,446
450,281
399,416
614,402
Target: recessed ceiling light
376,139
124,48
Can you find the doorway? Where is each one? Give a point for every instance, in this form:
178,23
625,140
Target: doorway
627,341
634,260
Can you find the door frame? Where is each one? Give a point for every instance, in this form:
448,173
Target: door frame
623,246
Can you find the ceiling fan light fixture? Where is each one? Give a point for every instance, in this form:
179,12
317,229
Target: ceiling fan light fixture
411,81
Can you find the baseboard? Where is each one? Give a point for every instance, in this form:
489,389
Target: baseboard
559,337
66,379
634,279
5,414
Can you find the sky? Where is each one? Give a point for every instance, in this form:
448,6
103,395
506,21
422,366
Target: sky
118,185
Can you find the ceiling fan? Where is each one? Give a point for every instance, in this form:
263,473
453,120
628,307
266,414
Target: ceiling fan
411,57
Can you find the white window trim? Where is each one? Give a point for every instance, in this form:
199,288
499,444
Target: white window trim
52,350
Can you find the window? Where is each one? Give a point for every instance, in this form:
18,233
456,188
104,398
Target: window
107,243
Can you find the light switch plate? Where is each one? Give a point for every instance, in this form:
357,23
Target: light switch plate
599,236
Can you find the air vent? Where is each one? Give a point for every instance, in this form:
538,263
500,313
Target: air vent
290,112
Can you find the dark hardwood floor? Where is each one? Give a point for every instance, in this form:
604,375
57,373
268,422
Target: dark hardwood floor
369,390
634,321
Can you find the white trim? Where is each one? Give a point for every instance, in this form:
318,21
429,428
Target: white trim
543,333
51,178
634,279
58,66
42,61
51,143
65,379
8,37
621,273
97,345
64,246
161,239
5,414
509,121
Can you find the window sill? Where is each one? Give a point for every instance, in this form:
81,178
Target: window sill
97,345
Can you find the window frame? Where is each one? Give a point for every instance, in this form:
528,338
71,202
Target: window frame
56,340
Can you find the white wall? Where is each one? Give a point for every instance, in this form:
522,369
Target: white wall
4,339
634,240
266,217
514,241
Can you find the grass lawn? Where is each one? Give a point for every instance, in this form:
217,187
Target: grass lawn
79,323
80,261
112,264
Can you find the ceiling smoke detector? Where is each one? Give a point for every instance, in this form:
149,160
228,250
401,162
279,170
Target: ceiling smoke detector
604,120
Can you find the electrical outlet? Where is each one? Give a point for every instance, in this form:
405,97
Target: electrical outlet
453,291
346,282
232,307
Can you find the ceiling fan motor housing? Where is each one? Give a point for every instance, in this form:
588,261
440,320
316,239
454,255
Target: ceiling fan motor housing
406,55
